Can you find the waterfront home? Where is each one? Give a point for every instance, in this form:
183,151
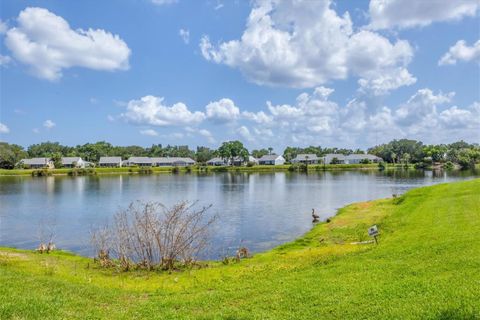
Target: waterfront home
217,162
240,161
110,162
73,162
172,161
271,159
309,158
327,159
359,158
140,161
37,163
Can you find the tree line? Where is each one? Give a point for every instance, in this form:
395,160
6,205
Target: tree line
396,151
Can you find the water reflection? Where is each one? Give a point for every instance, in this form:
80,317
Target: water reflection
258,210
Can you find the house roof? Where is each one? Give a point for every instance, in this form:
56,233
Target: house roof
172,160
110,160
140,160
269,157
303,157
35,161
215,160
339,156
70,160
361,156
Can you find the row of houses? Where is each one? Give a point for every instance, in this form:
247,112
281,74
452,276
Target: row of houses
269,159
272,159
77,162
67,162
340,158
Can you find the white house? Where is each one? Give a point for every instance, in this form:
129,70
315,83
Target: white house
140,161
172,161
37,163
73,162
309,158
358,158
110,162
271,159
327,159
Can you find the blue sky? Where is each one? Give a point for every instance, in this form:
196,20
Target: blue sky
269,73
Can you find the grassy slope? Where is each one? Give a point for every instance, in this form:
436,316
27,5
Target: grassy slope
425,267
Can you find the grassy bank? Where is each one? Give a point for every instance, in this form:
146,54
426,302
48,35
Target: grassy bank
127,170
426,266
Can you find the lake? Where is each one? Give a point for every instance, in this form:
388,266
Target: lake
256,210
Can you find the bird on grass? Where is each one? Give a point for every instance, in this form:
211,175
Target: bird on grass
314,216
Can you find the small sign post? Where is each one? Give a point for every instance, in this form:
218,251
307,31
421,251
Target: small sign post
373,232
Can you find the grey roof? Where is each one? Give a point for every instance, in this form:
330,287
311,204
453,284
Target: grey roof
172,160
215,160
339,156
35,161
70,160
110,160
303,157
139,160
269,157
361,156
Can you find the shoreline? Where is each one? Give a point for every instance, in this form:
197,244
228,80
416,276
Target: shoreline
201,169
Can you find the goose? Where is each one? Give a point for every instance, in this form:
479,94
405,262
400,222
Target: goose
314,216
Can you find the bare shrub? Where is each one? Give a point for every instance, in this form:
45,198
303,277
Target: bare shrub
46,235
150,235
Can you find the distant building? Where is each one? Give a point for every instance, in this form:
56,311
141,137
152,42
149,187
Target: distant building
37,163
327,159
358,158
309,158
240,161
271,159
73,162
351,158
172,161
110,162
140,161
217,162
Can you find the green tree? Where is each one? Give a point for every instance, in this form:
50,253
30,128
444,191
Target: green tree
259,153
231,149
204,154
10,155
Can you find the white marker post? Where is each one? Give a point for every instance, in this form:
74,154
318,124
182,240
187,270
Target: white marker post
373,232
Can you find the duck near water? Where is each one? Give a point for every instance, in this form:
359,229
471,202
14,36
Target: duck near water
314,216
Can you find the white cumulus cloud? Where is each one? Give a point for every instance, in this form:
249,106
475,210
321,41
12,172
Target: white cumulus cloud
208,135
49,124
461,52
223,110
386,14
47,44
185,35
4,128
306,43
151,110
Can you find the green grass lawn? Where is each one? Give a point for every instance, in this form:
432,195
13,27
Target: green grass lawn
426,266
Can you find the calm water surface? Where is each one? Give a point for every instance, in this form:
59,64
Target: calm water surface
256,210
